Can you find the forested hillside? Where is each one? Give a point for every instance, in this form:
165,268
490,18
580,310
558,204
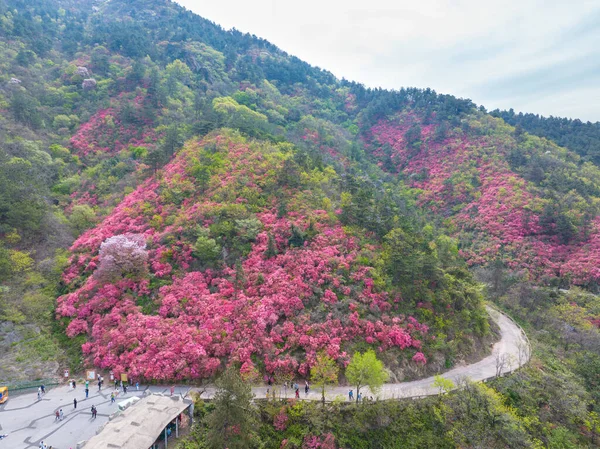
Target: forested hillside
176,198
581,137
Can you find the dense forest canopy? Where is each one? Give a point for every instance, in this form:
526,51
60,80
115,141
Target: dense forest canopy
580,137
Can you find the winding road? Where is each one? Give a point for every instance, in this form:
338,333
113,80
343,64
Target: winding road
28,421
509,353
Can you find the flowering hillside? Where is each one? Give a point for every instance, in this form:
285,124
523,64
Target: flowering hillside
225,275
511,199
176,198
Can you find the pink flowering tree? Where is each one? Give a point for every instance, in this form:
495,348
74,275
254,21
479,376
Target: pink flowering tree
120,256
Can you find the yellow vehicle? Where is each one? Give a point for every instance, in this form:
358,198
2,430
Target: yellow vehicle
3,395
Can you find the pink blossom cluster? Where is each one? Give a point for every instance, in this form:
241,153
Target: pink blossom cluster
105,133
280,422
326,441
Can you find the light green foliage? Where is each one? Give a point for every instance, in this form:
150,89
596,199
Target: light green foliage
206,60
60,152
206,249
20,261
139,152
365,370
324,372
37,305
248,228
61,121
177,74
82,217
239,116
481,419
442,384
6,267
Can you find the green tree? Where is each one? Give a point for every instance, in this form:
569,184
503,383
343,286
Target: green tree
82,217
235,115
297,237
155,159
25,109
207,250
324,372
232,422
366,370
442,384
271,247
240,277
6,267
100,60
172,141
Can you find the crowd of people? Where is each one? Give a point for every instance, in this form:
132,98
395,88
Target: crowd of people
59,414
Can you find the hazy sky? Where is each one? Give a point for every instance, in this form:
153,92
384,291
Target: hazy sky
534,56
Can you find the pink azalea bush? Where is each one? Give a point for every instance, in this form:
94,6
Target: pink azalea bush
326,441
281,419
105,133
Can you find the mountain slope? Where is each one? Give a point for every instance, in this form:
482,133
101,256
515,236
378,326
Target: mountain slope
231,204
514,200
248,262
109,112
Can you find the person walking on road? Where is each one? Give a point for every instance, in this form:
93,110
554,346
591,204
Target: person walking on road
74,402
350,395
61,415
94,412
112,397
43,389
39,394
297,393
306,388
57,416
87,392
137,386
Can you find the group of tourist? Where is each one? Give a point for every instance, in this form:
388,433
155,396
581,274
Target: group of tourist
359,397
294,386
41,391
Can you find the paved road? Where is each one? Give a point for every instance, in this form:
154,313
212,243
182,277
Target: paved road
509,353
28,421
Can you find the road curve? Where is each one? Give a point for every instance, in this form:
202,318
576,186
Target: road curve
28,420
509,353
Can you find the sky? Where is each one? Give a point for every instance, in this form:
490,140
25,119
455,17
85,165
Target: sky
533,56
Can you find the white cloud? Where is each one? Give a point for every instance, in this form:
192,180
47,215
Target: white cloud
540,56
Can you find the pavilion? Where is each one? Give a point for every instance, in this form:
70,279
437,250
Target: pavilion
141,424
